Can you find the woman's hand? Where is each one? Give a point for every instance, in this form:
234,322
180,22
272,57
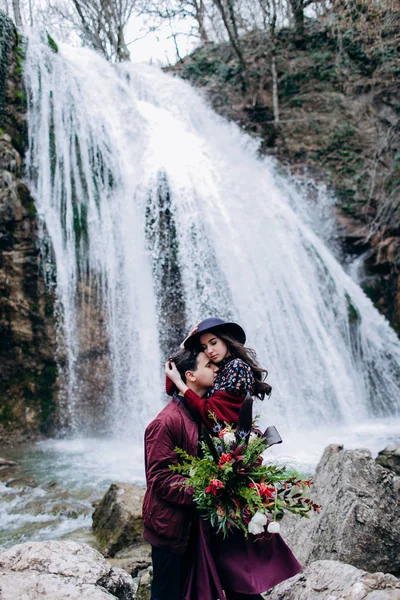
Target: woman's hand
172,372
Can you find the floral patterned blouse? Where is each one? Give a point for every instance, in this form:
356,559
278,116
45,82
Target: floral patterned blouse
234,377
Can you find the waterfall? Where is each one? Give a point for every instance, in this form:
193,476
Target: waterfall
160,214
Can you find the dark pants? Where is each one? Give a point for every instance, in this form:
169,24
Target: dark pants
168,574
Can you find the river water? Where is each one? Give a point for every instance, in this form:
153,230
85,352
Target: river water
135,178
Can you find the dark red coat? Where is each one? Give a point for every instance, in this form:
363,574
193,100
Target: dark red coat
168,510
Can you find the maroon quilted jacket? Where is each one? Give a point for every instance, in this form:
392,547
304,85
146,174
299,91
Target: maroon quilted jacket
168,510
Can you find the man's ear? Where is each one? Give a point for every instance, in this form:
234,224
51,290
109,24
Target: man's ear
190,376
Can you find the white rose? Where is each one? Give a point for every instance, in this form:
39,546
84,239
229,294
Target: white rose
273,527
253,437
257,523
229,438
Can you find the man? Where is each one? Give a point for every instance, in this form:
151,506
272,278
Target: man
168,509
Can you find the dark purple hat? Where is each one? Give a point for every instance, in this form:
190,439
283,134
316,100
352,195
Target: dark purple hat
213,324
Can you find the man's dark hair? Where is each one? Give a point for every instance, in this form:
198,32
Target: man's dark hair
185,360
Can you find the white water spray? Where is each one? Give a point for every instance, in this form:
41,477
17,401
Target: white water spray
106,142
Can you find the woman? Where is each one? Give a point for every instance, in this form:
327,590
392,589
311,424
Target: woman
239,373
244,568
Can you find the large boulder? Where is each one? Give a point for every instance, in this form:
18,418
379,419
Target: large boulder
333,580
117,520
359,522
59,570
389,458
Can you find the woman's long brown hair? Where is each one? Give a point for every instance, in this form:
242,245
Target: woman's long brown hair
262,388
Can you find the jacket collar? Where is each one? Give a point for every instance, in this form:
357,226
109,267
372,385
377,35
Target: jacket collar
180,400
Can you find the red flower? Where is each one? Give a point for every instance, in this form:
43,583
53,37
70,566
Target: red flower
223,432
263,489
215,485
225,458
267,492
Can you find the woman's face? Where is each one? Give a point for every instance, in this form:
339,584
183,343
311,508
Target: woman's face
215,348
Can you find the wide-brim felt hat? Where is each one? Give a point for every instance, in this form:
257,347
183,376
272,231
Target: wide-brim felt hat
213,324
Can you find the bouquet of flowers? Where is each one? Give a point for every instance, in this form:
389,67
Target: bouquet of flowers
235,489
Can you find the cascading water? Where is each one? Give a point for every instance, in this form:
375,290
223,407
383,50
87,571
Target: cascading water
160,214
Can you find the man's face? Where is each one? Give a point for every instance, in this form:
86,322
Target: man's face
205,373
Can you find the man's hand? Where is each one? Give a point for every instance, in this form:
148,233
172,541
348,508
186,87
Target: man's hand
172,372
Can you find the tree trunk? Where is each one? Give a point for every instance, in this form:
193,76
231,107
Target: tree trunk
272,50
123,53
275,103
298,14
229,20
200,10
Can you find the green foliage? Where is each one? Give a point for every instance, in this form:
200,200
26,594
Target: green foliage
290,83
200,65
20,54
6,416
53,45
352,312
231,483
20,95
225,72
30,209
323,66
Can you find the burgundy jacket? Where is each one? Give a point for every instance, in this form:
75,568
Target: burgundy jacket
168,510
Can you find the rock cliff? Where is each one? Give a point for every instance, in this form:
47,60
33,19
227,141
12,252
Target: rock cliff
28,371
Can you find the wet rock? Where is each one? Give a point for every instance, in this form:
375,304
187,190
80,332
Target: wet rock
59,570
359,521
119,583
390,458
117,520
134,559
21,482
6,463
144,583
333,580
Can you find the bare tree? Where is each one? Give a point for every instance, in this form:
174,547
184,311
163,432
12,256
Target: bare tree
101,23
298,7
272,42
175,10
226,9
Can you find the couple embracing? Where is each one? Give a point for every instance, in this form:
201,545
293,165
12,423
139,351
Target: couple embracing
212,372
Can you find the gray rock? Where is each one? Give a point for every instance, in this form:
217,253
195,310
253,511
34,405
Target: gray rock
117,520
144,580
133,559
390,458
119,583
59,570
333,580
6,463
359,521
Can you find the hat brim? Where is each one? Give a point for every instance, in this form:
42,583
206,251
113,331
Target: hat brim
232,329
